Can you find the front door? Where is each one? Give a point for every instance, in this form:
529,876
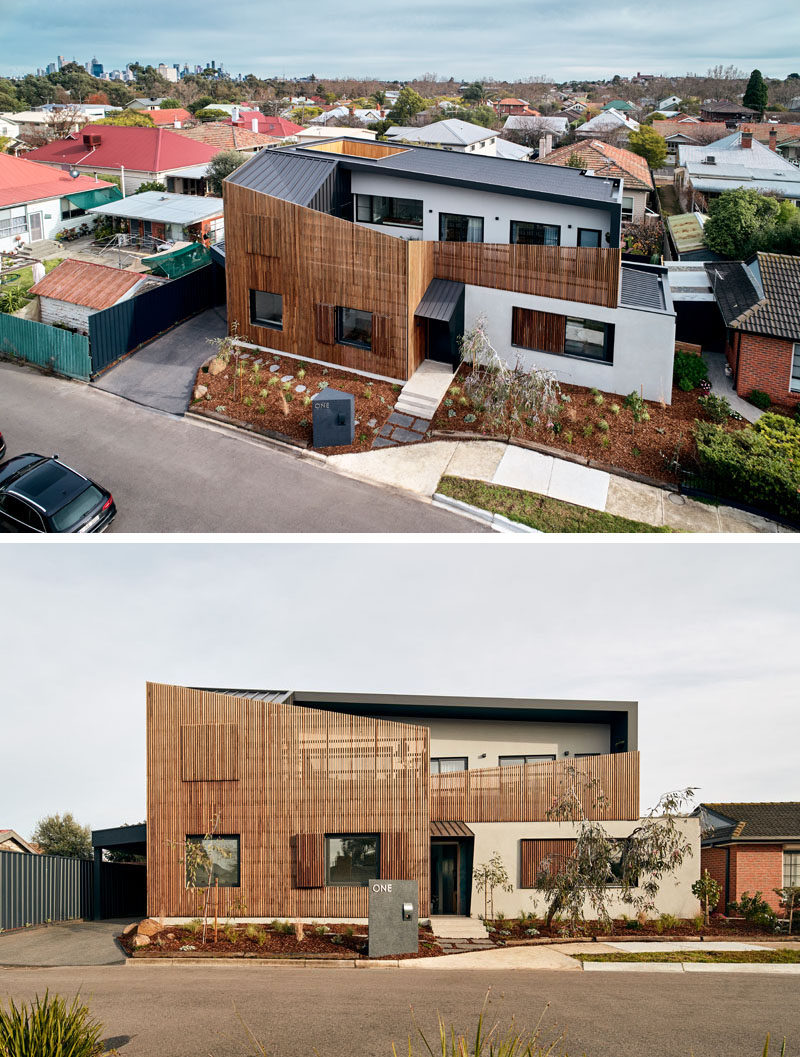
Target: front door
440,342
445,878
35,226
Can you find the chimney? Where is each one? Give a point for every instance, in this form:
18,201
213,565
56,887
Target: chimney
773,139
177,124
545,145
254,124
747,140
235,115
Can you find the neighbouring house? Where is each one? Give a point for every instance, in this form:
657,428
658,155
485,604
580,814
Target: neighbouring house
555,126
725,111
753,847
147,104
506,148
153,218
36,201
74,290
734,161
136,155
669,103
759,301
621,106
574,107
317,133
535,249
228,137
9,126
515,106
781,138
266,124
686,234
603,159
606,123
176,117
317,793
37,125
10,840
450,134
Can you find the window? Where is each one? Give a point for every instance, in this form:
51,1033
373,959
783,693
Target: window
351,859
266,310
791,868
215,859
525,233
18,516
584,755
591,237
627,207
448,764
589,339
794,381
12,225
68,210
77,509
354,327
379,209
453,227
517,761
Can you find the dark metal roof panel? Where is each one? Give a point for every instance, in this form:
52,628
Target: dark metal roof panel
284,174
642,288
440,300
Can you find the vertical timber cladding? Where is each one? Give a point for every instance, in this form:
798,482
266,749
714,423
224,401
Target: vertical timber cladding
302,773
311,259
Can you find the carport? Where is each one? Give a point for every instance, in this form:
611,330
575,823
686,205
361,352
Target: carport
122,890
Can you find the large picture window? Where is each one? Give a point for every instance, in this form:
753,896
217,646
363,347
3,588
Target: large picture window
448,764
589,339
380,209
791,869
266,310
211,861
455,227
351,859
794,383
527,233
354,327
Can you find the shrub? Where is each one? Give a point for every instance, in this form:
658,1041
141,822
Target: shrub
12,299
568,436
284,928
598,399
716,407
229,932
48,1026
588,429
756,910
638,407
758,398
782,435
602,425
688,370
614,409
666,923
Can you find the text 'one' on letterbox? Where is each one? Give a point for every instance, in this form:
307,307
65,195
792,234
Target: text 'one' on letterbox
333,415
393,917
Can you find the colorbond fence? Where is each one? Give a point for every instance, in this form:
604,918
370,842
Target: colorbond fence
60,350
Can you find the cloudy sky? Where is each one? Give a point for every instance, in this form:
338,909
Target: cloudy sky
404,38
703,635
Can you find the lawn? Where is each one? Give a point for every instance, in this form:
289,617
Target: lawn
25,280
540,512
778,956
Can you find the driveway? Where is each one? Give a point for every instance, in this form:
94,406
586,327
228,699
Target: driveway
71,943
161,375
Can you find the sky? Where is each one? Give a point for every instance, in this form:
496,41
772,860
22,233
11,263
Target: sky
703,635
402,39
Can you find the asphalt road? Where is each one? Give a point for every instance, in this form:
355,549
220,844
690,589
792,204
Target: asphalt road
175,475
193,1012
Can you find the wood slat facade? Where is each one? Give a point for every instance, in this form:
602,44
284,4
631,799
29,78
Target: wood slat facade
280,777
533,852
524,793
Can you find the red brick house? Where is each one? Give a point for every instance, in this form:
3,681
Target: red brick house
760,305
750,848
515,106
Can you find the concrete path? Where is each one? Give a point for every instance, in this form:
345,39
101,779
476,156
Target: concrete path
425,390
538,957
765,968
722,385
161,375
707,946
71,943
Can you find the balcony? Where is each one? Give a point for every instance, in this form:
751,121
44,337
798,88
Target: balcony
526,793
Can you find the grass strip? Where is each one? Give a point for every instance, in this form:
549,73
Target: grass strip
776,956
538,511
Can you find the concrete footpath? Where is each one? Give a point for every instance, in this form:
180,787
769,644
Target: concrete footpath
419,468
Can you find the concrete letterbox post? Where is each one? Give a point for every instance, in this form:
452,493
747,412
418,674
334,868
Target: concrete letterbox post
393,917
333,417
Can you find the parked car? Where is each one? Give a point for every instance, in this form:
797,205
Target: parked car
2,446
41,494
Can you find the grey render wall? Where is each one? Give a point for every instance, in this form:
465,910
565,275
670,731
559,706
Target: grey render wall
644,342
495,738
498,210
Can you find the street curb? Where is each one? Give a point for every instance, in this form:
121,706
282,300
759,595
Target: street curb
499,522
767,968
252,434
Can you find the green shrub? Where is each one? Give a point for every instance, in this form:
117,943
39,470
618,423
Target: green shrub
781,433
638,407
598,399
756,910
688,370
758,398
568,436
48,1027
716,407
666,923
602,425
588,429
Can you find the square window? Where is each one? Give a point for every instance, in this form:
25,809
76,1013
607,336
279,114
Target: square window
266,310
527,233
354,327
591,237
589,339
351,859
453,227
212,859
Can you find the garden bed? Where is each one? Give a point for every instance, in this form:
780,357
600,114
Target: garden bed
514,931
326,942
247,391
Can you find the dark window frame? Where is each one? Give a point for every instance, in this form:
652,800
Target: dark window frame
632,200
440,759
594,231
461,216
361,199
339,328
608,341
514,241
794,369
200,837
257,321
328,837
526,757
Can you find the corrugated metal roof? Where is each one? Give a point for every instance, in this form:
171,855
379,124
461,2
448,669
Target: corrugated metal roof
163,207
450,131
95,286
451,829
687,232
23,180
642,288
284,174
252,695
440,300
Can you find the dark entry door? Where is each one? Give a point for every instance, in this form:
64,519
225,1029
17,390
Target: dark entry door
440,342
444,878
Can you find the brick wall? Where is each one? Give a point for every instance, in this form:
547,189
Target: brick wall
756,868
765,363
713,860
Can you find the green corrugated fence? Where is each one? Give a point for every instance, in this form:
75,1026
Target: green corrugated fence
60,350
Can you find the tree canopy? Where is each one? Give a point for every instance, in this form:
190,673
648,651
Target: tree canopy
755,95
222,165
63,835
408,104
128,118
742,221
648,144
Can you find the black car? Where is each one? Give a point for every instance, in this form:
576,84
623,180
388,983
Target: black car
2,446
41,494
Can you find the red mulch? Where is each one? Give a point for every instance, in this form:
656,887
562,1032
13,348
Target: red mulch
273,408
718,927
336,943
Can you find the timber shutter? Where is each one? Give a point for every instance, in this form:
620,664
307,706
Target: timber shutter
534,852
543,331
310,860
326,324
261,235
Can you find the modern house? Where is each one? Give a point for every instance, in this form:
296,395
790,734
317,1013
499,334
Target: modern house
403,247
735,161
449,134
311,794
161,217
751,848
136,155
74,290
760,305
36,202
603,159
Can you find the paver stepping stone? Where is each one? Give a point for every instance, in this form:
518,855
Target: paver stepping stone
299,388
400,420
274,367
383,442
287,378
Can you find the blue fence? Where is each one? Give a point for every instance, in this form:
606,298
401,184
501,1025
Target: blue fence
59,350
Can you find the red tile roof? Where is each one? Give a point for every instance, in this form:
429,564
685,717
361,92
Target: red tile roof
227,137
95,286
606,160
169,117
22,180
270,126
150,150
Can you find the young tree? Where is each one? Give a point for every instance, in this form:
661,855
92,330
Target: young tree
169,104
222,165
97,97
149,185
737,220
708,892
488,876
475,93
755,95
408,104
648,144
790,901
62,835
635,866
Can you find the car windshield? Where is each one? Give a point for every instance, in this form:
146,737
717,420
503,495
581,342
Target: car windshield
75,511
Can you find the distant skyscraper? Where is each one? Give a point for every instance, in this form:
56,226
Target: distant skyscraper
51,67
96,68
60,61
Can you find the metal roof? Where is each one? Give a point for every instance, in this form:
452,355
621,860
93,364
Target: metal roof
450,829
253,695
189,172
440,300
95,286
450,131
163,207
284,174
643,287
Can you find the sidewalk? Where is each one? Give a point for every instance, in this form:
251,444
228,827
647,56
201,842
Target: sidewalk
420,467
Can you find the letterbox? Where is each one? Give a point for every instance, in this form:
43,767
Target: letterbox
393,917
333,417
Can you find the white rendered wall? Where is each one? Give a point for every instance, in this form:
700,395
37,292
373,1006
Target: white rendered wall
644,342
474,737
